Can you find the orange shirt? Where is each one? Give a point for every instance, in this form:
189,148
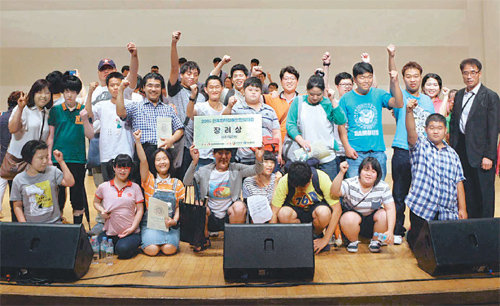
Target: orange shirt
165,185
280,106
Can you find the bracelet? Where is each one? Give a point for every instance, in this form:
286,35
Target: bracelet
192,99
325,64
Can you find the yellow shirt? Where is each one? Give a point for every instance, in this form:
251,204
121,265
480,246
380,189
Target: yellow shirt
304,197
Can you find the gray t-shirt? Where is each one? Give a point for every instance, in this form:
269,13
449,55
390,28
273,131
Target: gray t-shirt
39,195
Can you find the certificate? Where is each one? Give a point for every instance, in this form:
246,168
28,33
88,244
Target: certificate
163,129
233,131
158,210
259,208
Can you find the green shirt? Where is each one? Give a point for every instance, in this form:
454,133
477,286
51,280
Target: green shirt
69,136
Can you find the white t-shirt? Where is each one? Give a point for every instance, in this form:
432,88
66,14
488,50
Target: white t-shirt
101,93
219,193
31,120
116,134
204,109
365,203
316,127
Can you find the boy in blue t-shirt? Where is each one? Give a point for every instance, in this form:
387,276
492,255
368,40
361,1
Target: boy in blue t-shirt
363,136
401,166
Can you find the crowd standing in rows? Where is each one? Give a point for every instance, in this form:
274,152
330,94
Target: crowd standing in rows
325,163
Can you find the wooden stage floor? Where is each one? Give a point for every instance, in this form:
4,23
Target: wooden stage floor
391,276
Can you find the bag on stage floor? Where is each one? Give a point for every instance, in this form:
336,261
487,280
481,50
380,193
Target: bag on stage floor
192,216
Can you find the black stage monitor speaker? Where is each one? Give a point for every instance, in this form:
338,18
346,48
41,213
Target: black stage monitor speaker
56,252
268,251
459,246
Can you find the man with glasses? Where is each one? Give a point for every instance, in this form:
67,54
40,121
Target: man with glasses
344,83
364,136
289,77
474,127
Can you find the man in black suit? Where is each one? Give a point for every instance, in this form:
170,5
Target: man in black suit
474,128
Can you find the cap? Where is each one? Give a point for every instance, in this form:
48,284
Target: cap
106,62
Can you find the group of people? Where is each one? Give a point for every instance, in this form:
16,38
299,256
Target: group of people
326,164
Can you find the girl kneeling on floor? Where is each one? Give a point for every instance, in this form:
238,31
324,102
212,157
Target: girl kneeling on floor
362,200
160,185
120,202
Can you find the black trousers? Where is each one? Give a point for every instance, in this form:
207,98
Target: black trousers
401,177
479,185
78,195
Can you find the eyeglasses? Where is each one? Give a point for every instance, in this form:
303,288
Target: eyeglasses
289,79
121,168
364,77
346,85
471,73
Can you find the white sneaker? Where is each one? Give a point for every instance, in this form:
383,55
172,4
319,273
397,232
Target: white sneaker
352,247
398,239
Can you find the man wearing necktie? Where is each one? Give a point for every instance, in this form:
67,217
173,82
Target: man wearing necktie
474,127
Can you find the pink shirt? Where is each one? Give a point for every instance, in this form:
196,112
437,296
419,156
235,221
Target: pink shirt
121,203
437,104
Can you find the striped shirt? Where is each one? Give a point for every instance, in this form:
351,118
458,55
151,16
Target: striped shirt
270,122
250,188
364,203
435,175
143,115
163,185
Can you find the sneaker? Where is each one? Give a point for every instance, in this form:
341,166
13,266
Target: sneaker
352,247
398,239
213,234
374,246
97,229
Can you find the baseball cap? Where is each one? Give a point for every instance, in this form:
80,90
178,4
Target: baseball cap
106,62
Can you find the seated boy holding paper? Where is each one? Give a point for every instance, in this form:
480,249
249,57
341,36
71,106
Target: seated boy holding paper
302,196
221,183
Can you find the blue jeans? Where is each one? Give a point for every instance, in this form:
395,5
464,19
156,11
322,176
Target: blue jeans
401,177
330,168
355,163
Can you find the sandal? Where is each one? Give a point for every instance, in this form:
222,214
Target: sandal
205,245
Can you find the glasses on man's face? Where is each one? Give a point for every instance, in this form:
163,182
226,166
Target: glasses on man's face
345,84
470,73
289,79
365,77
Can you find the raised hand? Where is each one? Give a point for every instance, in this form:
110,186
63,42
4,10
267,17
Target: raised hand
195,154
326,58
22,101
365,57
344,166
256,71
92,87
391,49
84,115
124,84
131,47
232,101
176,36
58,156
331,93
445,91
226,59
411,104
137,135
194,90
